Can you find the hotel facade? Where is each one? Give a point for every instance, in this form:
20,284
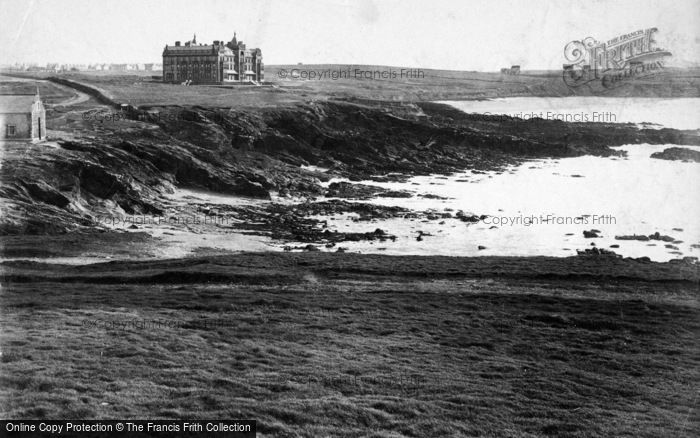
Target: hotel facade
218,63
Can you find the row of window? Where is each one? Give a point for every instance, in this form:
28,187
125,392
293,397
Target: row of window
226,60
194,67
171,77
200,69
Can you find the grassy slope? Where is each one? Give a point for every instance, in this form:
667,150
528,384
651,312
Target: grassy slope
348,345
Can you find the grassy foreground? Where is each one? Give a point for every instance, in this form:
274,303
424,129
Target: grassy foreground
350,345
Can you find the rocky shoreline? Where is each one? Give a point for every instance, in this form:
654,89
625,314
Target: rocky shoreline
113,170
100,170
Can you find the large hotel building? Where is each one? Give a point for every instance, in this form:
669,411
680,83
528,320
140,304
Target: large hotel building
217,63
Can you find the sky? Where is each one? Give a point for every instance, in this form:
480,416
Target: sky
480,35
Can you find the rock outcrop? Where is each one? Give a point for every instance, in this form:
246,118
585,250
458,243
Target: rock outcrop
678,154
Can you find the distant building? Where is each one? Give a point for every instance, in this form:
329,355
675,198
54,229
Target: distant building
513,70
22,117
217,63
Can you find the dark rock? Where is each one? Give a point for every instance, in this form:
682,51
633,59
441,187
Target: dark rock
655,236
471,218
395,194
678,154
597,252
42,192
661,237
362,191
633,237
431,196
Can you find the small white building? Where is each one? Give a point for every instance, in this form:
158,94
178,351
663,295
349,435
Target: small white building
22,117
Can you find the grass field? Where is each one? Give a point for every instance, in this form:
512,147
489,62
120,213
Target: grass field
50,93
342,346
284,89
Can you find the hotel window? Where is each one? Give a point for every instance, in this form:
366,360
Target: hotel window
10,130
